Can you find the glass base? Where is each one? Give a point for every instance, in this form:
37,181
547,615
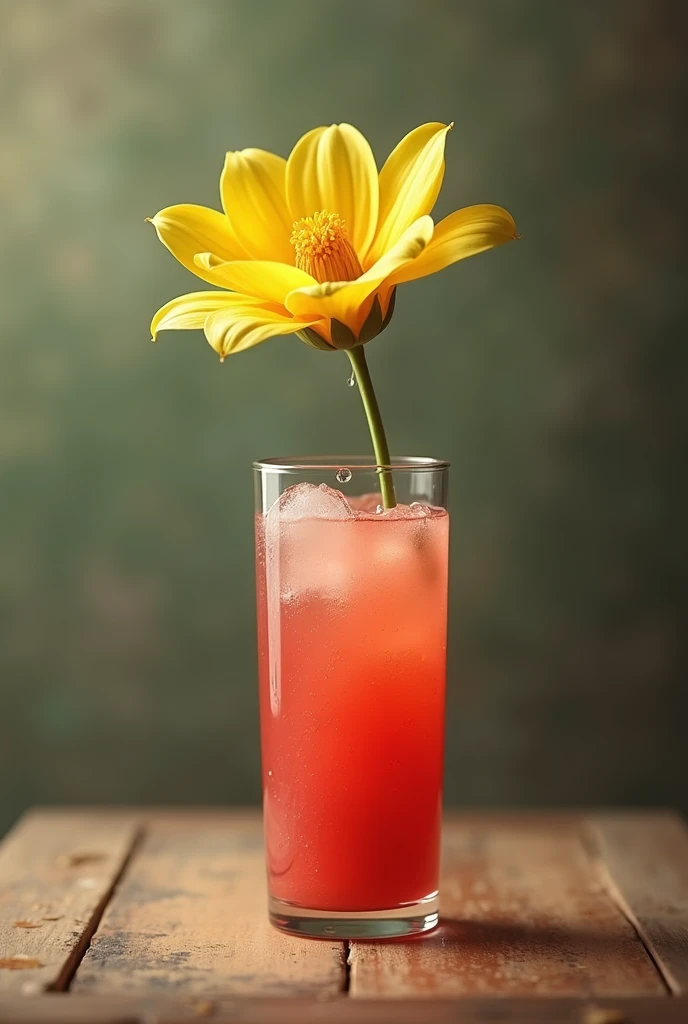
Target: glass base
409,919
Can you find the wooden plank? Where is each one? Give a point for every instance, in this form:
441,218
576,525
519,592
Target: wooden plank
85,1009
191,916
57,870
522,914
643,863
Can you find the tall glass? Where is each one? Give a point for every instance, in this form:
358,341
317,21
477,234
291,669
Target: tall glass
352,626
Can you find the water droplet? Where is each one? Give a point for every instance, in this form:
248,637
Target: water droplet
269,773
344,475
352,381
379,510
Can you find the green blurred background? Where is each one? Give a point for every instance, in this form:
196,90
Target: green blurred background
551,373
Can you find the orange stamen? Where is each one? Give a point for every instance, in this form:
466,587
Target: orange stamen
323,248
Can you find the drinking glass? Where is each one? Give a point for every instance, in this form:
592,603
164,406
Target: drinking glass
352,629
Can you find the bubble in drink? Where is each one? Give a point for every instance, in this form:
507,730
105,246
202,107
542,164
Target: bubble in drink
343,475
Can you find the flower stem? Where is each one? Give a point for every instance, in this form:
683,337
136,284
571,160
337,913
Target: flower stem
377,431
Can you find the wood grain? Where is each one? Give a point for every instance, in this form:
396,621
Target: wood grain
643,863
57,870
157,1009
522,914
530,917
190,916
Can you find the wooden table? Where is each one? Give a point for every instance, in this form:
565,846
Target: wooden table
138,917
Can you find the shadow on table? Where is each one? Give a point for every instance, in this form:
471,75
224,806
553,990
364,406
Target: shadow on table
530,939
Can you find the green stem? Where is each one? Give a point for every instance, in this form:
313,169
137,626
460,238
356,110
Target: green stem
377,431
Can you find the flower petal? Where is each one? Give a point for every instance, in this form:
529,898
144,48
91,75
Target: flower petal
190,311
233,330
253,190
333,169
464,233
268,280
410,182
188,229
346,301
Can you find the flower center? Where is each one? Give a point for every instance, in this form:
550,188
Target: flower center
323,248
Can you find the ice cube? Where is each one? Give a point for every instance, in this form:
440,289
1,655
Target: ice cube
310,501
365,502
414,511
304,544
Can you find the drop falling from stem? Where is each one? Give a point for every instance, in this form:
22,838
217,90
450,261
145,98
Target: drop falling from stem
351,381
343,475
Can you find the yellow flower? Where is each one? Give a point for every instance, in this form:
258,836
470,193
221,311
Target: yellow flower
317,244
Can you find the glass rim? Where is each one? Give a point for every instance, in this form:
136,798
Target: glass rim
356,463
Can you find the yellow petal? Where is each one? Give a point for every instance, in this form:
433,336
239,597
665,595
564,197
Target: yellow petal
346,301
188,229
333,169
410,182
461,234
253,190
233,330
190,311
263,278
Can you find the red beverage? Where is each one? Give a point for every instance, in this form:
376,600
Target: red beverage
352,613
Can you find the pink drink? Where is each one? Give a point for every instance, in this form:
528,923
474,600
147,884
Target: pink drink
352,612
